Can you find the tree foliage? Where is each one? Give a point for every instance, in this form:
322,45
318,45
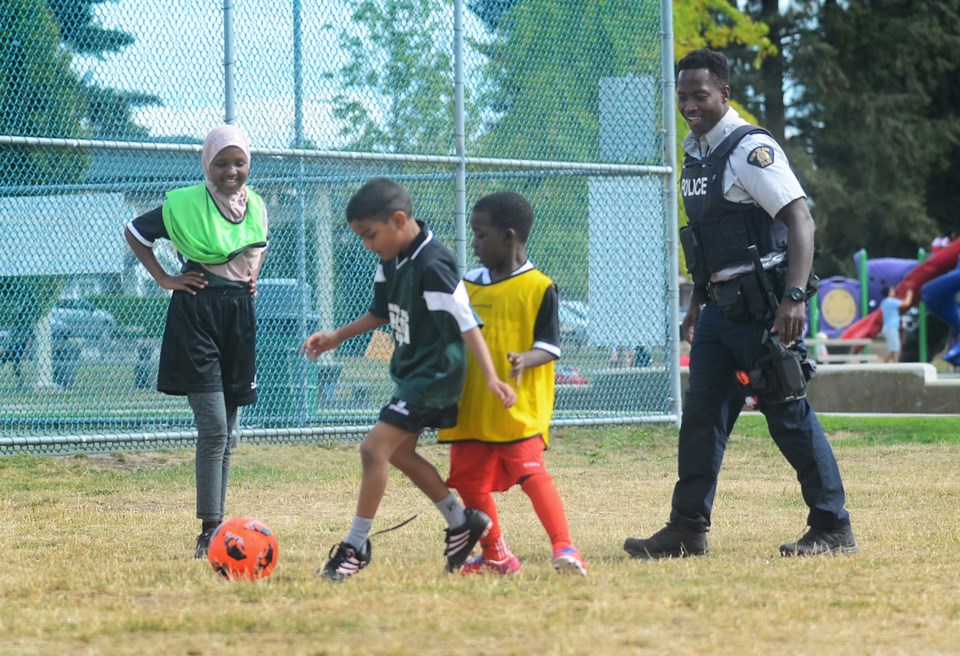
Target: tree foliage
545,67
397,84
537,95
719,25
878,118
40,95
108,111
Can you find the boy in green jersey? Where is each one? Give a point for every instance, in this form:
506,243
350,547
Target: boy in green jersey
418,291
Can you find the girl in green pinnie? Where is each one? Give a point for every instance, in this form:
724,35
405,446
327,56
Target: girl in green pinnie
208,354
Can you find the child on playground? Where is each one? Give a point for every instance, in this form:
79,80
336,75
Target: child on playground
890,308
493,449
417,289
208,352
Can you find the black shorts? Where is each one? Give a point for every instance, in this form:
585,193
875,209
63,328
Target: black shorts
415,418
210,345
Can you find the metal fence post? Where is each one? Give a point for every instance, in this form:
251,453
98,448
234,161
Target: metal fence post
460,185
670,159
229,65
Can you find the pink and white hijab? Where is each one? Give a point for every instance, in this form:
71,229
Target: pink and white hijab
232,206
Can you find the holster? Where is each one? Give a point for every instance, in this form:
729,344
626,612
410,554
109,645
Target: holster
741,299
780,375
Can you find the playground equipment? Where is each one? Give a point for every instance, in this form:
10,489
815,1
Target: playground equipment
940,296
928,270
842,301
835,307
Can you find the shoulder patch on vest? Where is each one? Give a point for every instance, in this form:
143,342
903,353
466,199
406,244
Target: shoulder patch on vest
761,157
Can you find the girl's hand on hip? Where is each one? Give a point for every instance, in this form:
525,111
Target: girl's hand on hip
187,282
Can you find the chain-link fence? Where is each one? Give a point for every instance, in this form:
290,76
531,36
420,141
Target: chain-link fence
104,105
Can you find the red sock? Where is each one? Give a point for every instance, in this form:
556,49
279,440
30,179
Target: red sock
494,548
549,508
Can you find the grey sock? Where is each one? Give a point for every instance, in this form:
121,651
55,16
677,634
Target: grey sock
451,510
359,532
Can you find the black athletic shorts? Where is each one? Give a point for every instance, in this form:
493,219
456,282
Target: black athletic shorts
210,345
414,418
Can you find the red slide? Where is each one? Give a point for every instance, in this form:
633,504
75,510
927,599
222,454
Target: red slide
941,262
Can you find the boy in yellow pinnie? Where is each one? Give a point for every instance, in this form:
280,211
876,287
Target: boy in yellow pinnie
494,448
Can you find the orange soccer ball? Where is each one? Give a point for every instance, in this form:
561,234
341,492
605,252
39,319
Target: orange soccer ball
243,548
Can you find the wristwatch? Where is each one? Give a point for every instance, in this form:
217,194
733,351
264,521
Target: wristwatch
795,294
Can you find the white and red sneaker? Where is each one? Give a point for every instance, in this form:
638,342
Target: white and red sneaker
569,561
480,565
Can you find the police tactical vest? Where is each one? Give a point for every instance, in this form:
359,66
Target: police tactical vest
201,233
720,231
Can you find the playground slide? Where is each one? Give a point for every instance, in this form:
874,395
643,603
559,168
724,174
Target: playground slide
940,296
939,263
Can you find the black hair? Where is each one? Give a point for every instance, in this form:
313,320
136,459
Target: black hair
377,200
887,290
715,63
508,209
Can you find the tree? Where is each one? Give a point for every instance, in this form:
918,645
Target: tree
108,111
537,94
544,74
759,82
491,12
398,87
878,118
718,24
40,96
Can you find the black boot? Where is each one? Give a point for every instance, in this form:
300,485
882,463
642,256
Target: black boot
822,542
672,541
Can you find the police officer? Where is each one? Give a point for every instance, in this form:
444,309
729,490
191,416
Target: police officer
739,192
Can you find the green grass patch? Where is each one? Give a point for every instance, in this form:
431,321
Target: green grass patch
870,430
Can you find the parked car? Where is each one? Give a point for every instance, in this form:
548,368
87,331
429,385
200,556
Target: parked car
14,349
14,343
78,318
567,375
573,323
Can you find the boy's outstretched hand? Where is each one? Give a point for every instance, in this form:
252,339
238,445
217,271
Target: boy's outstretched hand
318,343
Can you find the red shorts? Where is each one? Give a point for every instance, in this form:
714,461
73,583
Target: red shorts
489,467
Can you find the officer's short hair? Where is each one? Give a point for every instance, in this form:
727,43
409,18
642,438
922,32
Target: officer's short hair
715,63
508,209
377,200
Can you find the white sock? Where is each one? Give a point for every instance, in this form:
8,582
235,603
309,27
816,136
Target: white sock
451,510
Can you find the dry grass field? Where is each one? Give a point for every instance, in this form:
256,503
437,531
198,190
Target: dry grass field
97,556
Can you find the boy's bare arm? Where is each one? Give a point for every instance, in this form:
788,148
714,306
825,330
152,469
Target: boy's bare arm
528,360
478,347
323,341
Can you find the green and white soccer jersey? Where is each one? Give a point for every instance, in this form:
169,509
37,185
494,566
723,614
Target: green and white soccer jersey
420,293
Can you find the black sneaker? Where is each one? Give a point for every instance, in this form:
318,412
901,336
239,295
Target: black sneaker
345,561
822,542
672,541
203,543
461,540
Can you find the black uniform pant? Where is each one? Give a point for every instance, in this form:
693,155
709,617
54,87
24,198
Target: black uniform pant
711,406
